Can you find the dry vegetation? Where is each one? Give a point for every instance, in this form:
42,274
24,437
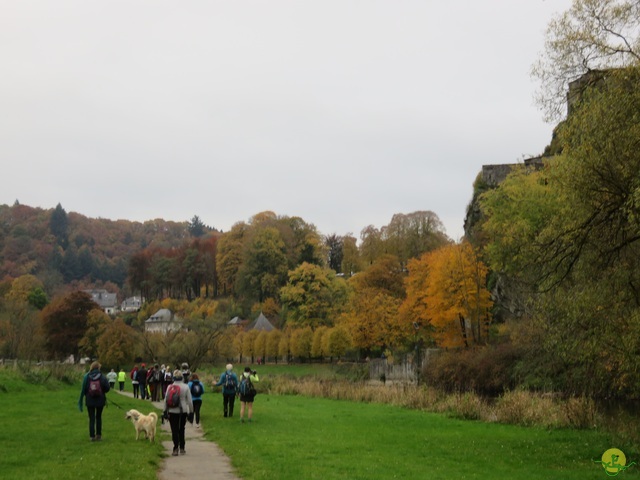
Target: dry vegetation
514,407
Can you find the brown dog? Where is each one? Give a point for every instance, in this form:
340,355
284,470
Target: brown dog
143,423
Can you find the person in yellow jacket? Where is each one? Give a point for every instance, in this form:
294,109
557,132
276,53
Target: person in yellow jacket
121,378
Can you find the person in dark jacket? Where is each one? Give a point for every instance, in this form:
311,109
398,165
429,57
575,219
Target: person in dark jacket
229,380
142,379
94,389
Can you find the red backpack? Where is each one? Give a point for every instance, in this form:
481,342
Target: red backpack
173,396
94,389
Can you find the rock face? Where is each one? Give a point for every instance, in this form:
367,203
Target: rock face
505,294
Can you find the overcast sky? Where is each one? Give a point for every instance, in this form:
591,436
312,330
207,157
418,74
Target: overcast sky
341,112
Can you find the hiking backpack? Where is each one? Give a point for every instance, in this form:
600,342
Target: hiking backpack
196,388
173,396
246,387
230,382
95,387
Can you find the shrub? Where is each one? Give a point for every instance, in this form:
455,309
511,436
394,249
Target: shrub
483,370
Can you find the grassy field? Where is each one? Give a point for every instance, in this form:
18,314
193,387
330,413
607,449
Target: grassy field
296,437
44,436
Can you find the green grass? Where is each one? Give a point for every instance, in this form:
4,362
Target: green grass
294,437
44,436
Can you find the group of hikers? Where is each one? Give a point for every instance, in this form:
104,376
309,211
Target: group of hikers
180,390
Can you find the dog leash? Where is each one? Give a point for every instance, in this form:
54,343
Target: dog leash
111,401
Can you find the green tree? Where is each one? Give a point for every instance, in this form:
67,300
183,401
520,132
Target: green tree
196,227
59,225
264,267
313,295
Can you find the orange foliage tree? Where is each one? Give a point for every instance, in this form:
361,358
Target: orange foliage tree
372,316
447,289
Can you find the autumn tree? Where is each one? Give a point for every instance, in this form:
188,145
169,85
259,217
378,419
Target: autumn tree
229,256
273,344
458,301
318,345
372,314
97,323
351,259
592,35
313,295
64,322
264,267
336,342
301,340
117,343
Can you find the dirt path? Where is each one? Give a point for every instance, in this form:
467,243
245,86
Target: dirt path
202,455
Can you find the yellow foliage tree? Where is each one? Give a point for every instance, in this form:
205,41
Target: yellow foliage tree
457,300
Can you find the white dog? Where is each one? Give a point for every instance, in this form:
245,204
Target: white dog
143,423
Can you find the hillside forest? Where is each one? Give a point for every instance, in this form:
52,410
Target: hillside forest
543,292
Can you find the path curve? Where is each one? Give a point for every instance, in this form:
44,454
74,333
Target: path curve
202,455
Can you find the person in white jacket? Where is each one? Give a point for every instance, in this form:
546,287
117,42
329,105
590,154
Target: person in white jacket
178,414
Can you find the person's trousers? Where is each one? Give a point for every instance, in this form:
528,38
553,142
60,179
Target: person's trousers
95,421
178,422
196,410
228,399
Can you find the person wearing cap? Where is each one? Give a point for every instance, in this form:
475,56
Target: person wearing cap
229,382
178,415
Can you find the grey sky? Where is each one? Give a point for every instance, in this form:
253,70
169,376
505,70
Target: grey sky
341,112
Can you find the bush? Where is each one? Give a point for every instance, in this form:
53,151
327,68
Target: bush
483,370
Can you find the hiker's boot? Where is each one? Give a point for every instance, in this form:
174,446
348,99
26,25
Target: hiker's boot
175,452
182,451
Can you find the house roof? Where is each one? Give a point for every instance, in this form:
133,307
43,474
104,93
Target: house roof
261,323
103,298
164,315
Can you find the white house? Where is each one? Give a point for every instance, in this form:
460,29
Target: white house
105,300
131,304
163,321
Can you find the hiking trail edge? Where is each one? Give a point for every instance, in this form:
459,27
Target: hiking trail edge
202,455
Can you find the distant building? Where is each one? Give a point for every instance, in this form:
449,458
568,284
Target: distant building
131,304
163,321
236,322
108,302
261,324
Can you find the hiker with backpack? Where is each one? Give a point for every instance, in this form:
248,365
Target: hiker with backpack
247,392
94,389
154,379
197,390
229,382
142,380
178,405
